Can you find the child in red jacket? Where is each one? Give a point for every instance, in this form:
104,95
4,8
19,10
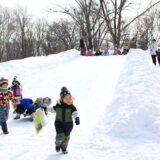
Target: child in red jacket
5,97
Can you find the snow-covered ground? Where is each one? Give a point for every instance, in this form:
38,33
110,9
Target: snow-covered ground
118,98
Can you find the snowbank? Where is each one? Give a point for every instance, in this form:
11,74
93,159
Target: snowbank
135,110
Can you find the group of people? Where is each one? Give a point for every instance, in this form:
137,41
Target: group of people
98,52
64,109
154,51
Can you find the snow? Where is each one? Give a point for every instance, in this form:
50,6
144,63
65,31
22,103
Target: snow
117,98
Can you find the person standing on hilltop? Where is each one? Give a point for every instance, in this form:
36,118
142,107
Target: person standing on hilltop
153,48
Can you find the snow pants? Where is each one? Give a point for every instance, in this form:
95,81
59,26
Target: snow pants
63,131
4,117
154,59
158,57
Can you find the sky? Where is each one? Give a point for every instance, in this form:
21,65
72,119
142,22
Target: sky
38,7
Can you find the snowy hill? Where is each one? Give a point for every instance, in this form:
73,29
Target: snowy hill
118,98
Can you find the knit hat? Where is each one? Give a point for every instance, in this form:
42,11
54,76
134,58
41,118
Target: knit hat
46,101
15,80
3,81
64,92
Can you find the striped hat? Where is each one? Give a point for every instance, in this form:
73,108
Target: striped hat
3,81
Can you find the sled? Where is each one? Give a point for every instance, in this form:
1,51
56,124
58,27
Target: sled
39,120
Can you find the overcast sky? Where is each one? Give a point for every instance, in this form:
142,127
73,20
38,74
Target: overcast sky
38,7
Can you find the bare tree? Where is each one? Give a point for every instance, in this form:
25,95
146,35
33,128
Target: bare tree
40,36
112,11
24,31
88,17
6,31
63,35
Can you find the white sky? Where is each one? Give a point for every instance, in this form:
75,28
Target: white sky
38,7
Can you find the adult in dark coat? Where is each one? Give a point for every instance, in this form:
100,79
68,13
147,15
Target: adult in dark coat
158,55
82,46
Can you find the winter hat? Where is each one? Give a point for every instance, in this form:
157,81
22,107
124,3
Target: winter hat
46,101
39,101
3,81
15,80
64,92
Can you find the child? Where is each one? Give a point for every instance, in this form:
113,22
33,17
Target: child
117,51
5,96
98,52
16,88
27,107
106,52
125,49
64,110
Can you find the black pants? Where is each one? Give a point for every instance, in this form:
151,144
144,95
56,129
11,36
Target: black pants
4,127
63,131
154,59
21,110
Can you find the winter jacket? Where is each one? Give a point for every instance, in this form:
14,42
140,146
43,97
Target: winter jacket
5,97
106,52
153,47
98,53
117,52
27,102
17,90
64,112
82,45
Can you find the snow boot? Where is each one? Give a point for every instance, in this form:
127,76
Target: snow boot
17,116
58,145
57,149
4,128
64,151
6,132
64,145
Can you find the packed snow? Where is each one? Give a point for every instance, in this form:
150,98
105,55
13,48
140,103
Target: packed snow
118,98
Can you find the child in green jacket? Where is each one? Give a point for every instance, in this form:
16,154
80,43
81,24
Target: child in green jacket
64,110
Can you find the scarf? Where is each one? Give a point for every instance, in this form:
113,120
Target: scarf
3,90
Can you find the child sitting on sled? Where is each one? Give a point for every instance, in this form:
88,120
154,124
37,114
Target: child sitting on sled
27,107
64,110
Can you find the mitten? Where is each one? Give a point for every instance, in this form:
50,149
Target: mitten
77,121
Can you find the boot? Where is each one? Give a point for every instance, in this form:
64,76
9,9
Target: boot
64,151
58,145
65,145
18,116
57,149
4,128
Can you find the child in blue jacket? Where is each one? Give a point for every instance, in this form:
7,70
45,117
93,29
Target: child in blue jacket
28,107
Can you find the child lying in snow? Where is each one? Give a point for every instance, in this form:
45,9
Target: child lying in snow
27,107
64,110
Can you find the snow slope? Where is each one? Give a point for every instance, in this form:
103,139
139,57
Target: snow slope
118,101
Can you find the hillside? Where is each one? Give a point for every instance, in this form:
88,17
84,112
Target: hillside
117,97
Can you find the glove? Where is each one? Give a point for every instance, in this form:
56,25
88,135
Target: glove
77,121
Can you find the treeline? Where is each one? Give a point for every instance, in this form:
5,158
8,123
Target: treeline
21,36
101,23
